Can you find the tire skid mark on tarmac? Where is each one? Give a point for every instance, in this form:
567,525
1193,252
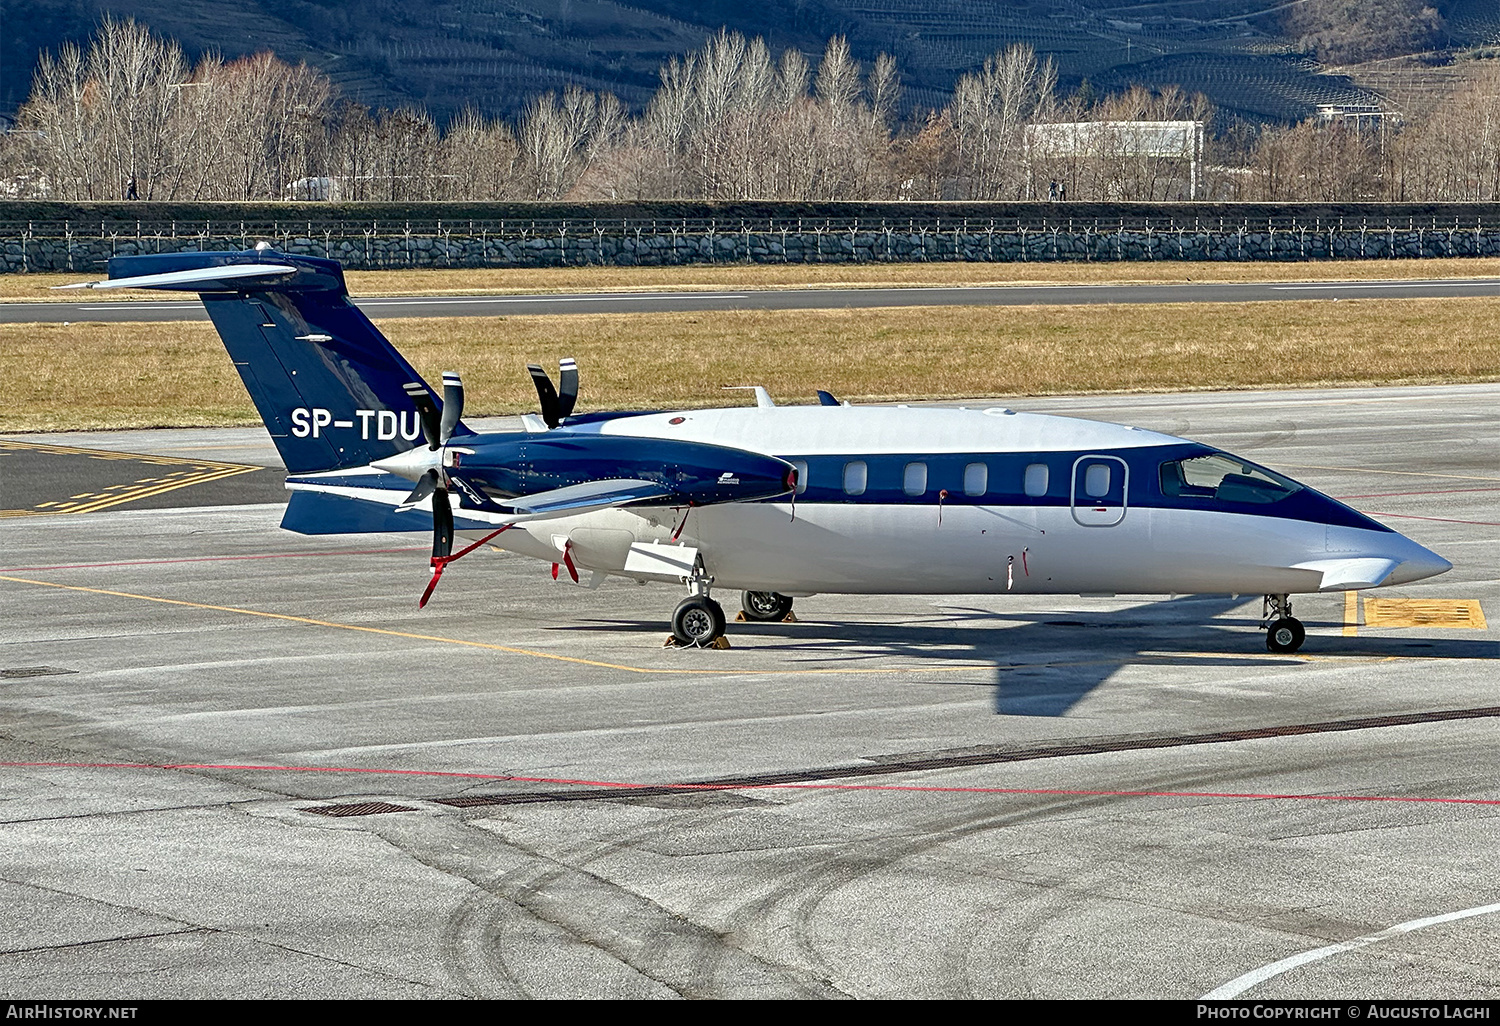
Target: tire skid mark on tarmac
635,930
899,765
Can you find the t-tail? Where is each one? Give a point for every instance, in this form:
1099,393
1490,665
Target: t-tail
329,386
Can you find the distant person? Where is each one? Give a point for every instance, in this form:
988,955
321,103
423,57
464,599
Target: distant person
130,192
1052,190
1062,190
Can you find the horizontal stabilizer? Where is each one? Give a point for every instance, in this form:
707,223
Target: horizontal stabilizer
329,386
584,497
1349,574
229,278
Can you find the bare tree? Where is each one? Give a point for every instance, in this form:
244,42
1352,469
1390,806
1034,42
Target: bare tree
989,111
559,139
136,76
884,89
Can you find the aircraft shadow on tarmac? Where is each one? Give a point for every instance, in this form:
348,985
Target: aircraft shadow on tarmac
1048,662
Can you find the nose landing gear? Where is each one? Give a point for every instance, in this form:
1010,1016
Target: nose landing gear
698,621
1284,632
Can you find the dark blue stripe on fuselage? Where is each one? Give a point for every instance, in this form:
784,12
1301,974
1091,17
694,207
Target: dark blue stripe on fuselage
1006,475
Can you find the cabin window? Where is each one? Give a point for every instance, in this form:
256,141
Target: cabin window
856,476
1036,480
1096,480
801,468
1224,477
976,478
914,481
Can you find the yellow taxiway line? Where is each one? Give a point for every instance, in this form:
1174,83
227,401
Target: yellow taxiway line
203,472
1143,657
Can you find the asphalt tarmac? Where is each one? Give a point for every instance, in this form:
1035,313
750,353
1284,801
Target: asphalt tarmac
788,299
239,762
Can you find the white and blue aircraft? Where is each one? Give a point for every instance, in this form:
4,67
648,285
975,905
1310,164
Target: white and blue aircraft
776,502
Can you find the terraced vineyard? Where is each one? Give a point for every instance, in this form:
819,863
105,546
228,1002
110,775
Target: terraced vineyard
496,54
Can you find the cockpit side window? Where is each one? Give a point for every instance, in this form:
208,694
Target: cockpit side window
1224,478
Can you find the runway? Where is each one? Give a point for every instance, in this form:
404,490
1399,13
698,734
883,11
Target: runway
238,762
789,299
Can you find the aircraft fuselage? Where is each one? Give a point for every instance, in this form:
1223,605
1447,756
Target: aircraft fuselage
938,500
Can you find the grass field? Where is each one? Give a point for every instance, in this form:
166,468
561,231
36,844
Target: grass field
36,288
56,377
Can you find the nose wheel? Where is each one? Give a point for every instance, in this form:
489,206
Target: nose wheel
698,621
1284,632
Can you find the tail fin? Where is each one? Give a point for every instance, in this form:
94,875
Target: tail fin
326,382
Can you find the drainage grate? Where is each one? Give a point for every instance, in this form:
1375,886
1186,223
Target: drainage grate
33,671
359,809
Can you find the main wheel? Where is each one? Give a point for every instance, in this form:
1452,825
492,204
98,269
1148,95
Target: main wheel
697,621
1285,635
767,606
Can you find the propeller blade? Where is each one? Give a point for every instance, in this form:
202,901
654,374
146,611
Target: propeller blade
453,405
567,386
427,410
546,393
442,524
425,486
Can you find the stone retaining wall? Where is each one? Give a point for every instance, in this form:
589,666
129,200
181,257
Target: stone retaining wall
66,247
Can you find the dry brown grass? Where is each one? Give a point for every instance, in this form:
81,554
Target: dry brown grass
86,376
35,288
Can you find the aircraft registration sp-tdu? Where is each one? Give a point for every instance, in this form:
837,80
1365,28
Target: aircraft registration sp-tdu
778,502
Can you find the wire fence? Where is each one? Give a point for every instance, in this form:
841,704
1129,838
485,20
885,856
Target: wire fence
78,245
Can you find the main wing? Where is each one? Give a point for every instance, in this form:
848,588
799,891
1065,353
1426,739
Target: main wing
356,502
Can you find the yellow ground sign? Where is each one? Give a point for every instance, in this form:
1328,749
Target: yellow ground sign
1424,613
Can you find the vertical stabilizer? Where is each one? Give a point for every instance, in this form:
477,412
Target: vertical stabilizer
324,379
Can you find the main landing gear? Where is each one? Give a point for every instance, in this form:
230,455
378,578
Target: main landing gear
1284,632
766,606
698,621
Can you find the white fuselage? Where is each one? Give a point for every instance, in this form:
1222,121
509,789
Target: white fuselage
901,533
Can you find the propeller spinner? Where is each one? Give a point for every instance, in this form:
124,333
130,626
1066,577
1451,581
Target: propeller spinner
437,427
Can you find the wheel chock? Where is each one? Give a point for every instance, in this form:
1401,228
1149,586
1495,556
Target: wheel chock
790,617
672,642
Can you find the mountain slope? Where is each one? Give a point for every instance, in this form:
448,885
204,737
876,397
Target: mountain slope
495,54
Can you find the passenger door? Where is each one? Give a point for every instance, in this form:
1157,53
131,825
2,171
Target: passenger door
1099,488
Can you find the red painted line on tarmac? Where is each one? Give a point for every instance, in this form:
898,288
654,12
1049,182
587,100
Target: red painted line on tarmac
629,786
211,559
1444,520
1440,491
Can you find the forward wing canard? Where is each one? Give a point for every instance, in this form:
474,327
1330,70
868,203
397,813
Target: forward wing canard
1347,574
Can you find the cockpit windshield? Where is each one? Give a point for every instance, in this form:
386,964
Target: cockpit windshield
1225,478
